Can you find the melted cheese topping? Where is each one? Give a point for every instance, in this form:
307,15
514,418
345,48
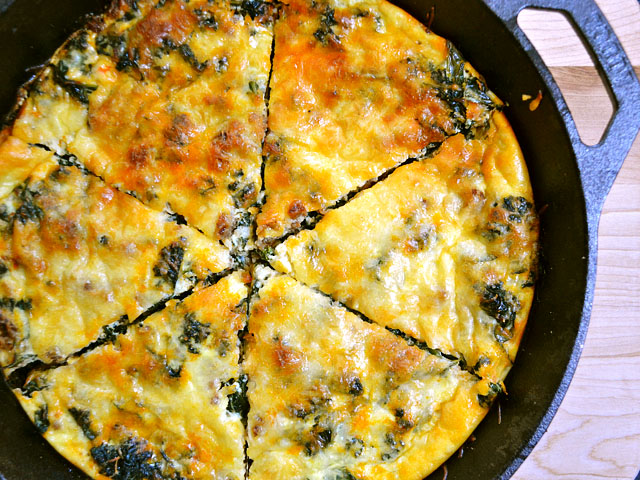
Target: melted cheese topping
17,160
442,249
173,109
165,100
154,404
357,87
334,397
79,250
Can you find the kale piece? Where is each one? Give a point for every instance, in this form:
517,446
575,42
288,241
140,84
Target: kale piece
83,419
41,418
340,474
485,401
4,214
500,304
243,196
168,267
519,205
111,331
355,446
206,19
494,230
129,61
173,372
317,439
325,32
455,87
238,401
252,8
77,90
111,45
355,387
78,42
115,46
221,64
28,209
403,422
193,332
395,447
452,70
131,460
34,385
266,253
11,304
190,58
254,87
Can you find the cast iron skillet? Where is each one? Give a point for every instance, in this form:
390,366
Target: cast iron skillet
569,179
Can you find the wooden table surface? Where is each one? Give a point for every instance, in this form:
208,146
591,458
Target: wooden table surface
596,432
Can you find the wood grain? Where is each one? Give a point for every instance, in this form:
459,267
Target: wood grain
596,433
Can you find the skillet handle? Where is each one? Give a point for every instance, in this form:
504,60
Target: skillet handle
599,164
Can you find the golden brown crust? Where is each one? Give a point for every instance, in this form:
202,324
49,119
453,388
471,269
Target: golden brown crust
166,102
357,88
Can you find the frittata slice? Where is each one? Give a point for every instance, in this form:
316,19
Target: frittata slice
78,257
164,100
357,88
443,249
333,397
159,402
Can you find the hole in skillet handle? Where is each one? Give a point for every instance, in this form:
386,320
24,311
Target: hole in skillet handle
599,164
590,102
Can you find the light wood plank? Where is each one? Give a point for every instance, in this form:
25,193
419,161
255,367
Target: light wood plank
596,433
550,32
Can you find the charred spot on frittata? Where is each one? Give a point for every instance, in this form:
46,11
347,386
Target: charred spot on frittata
8,333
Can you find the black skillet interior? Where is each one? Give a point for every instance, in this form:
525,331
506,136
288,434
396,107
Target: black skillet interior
30,30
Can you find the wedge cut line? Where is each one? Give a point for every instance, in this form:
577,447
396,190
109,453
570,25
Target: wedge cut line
184,356
69,245
358,87
163,103
338,403
442,249
17,378
411,341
